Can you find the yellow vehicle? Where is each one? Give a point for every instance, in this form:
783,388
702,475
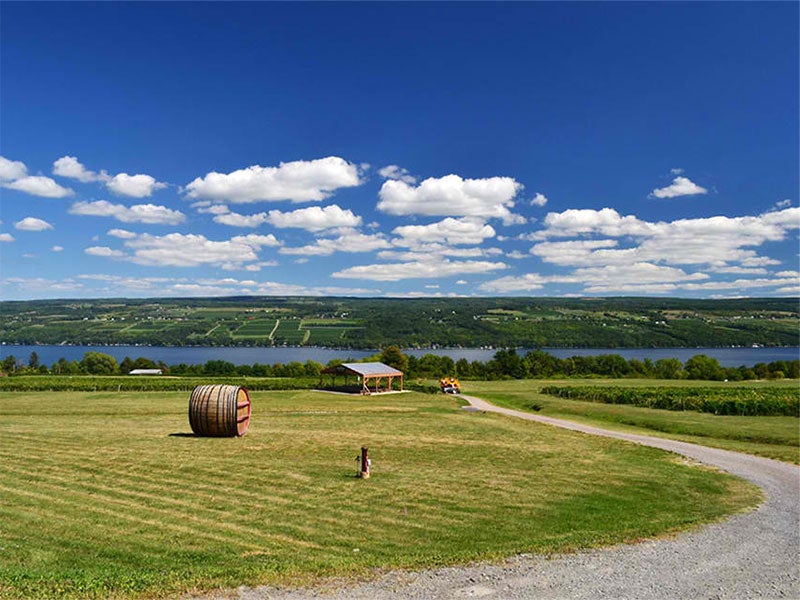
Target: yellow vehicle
450,385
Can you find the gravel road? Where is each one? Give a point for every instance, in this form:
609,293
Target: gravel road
749,556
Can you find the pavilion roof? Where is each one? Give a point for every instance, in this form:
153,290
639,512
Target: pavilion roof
369,369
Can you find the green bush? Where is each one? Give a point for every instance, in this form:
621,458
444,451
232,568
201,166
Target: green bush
423,388
130,383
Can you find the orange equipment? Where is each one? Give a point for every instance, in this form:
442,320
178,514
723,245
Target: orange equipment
450,385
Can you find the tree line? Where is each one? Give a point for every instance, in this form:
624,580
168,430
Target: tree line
505,364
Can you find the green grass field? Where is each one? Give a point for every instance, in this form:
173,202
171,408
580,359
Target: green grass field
773,437
106,494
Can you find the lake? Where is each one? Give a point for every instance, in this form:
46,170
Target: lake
728,357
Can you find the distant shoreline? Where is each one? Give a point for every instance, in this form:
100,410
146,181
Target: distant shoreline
240,355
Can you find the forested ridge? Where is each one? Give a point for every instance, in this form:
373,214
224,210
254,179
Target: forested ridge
420,322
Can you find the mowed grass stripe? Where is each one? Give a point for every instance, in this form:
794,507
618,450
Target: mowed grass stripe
199,505
220,520
155,503
153,482
77,501
204,531
156,499
198,494
297,506
105,529
282,503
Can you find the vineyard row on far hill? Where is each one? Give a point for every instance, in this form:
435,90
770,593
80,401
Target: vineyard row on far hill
423,322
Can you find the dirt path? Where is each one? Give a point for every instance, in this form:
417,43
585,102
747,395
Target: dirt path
750,556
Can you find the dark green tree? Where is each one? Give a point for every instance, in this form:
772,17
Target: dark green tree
312,368
33,361
463,368
507,363
126,366
430,365
219,368
669,368
447,366
541,364
97,363
9,364
144,363
65,367
393,357
705,368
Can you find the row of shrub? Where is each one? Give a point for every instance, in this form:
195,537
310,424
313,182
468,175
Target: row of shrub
506,364
739,401
56,383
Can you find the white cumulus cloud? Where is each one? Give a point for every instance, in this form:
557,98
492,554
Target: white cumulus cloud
37,185
579,252
122,184
624,254
297,181
349,241
12,169
135,186
395,172
192,250
236,220
422,252
104,251
138,213
257,241
6,237
314,218
712,240
32,224
70,166
633,274
428,269
464,231
606,221
205,208
539,199
681,186
637,277
509,284
453,196
123,234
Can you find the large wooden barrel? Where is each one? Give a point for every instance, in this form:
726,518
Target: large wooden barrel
219,410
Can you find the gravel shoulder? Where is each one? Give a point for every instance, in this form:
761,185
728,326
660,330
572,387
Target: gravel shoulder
749,556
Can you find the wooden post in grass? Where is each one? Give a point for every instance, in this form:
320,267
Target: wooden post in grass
364,463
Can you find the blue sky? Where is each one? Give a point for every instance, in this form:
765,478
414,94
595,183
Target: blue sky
399,149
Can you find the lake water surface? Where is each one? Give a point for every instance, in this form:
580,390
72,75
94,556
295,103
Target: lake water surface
728,357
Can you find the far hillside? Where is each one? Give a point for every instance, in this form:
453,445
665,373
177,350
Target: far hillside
423,322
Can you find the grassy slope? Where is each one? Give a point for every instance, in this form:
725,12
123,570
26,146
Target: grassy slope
100,500
773,437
